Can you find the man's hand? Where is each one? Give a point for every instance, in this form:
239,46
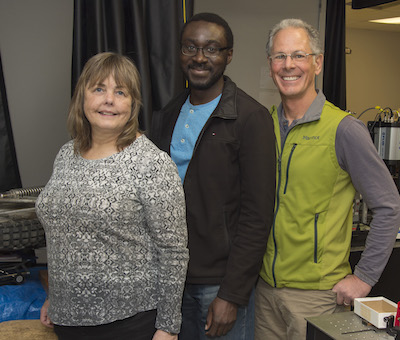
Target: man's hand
349,288
162,335
221,317
44,318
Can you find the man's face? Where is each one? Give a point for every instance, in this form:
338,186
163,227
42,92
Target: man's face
202,72
294,79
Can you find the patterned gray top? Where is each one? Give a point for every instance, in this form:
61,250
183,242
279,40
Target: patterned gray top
116,237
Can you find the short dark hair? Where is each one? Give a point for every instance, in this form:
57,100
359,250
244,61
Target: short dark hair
215,19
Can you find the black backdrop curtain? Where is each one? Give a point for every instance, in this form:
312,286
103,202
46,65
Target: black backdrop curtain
9,173
146,31
334,83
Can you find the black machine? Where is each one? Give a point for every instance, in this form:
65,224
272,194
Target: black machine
386,137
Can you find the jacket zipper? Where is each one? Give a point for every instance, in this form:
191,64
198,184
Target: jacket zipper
208,122
197,144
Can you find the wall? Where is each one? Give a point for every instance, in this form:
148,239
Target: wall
36,48
250,22
373,72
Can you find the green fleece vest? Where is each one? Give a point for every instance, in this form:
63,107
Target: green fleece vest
309,244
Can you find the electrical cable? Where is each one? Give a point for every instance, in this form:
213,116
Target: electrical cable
388,114
371,108
375,120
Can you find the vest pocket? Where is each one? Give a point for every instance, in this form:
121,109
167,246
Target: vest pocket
316,238
288,167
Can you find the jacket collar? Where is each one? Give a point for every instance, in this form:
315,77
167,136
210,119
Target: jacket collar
226,108
227,105
312,114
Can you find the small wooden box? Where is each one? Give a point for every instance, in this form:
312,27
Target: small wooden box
375,309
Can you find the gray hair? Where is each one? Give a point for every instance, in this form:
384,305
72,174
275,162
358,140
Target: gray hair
312,33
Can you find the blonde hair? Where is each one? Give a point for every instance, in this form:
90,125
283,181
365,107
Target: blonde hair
97,69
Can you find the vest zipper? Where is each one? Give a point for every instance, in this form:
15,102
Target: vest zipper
276,212
316,238
278,201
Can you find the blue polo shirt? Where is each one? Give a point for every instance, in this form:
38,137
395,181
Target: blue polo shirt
191,121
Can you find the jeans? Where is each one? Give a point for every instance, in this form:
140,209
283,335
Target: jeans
196,299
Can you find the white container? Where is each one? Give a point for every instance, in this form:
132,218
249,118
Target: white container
375,309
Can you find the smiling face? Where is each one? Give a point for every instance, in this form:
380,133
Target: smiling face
107,107
294,80
201,72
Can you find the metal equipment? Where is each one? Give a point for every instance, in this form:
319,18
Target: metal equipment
20,233
386,136
19,226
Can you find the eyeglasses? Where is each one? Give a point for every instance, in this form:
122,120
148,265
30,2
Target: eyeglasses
297,57
208,52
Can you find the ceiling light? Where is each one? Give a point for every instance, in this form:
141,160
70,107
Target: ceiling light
393,21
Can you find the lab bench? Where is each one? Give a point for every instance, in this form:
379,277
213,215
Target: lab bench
343,326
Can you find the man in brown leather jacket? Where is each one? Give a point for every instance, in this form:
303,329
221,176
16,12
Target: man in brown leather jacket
223,143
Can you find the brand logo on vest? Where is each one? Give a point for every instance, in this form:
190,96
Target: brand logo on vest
311,137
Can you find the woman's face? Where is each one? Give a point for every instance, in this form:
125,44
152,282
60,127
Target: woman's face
107,107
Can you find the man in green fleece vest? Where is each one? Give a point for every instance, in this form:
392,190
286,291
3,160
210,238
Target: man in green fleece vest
324,155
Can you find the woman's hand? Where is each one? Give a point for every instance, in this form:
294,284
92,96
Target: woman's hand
44,317
161,335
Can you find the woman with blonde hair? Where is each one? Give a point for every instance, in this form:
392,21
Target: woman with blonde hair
114,215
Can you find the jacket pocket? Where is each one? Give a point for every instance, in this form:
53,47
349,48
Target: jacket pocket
228,226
